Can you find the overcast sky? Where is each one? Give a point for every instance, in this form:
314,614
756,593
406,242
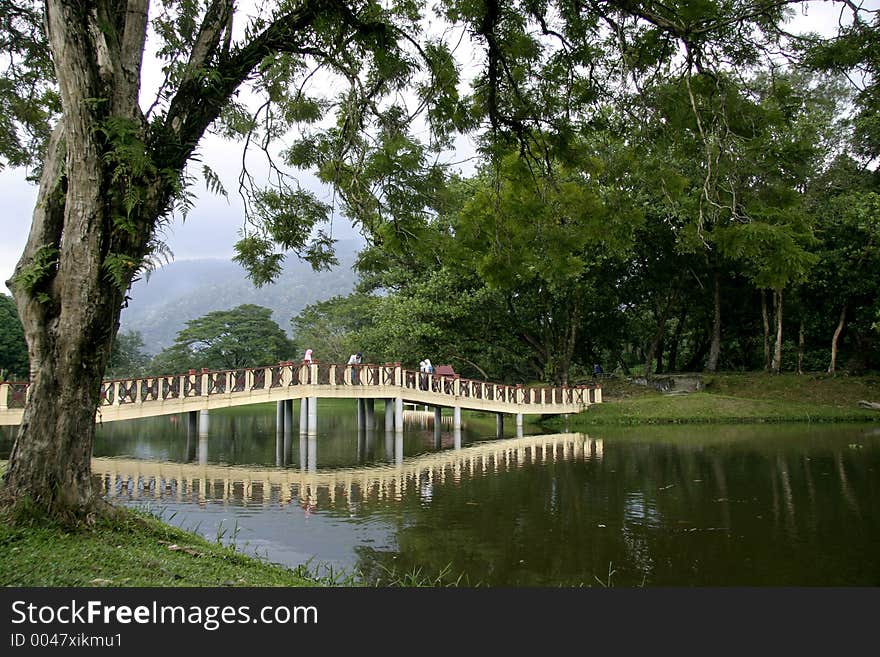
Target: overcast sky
212,227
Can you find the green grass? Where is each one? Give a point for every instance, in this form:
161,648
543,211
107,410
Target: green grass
735,398
126,548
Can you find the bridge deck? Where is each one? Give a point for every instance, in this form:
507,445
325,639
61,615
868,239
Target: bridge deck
126,399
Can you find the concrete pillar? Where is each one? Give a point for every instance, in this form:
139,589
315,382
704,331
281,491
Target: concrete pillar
313,415
362,442
456,435
519,425
285,455
398,448
279,417
303,450
370,405
362,415
389,415
456,417
204,422
303,416
398,415
312,459
203,449
438,426
287,408
389,445
499,425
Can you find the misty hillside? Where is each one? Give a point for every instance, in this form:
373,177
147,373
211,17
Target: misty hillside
180,291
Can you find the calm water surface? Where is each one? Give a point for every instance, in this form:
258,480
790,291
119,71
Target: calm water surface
734,505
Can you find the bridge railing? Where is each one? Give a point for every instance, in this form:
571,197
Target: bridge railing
204,383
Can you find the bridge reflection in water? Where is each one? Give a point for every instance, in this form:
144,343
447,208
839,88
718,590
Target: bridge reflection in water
133,479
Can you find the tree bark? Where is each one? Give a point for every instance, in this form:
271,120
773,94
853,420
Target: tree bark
715,348
765,317
832,367
800,356
776,365
657,339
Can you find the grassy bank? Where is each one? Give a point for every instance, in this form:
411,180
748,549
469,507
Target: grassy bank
735,398
128,549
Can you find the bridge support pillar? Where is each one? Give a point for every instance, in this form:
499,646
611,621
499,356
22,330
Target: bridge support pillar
279,417
438,425
398,415
499,425
519,425
303,416
456,417
389,414
389,445
362,414
313,416
398,447
370,412
287,420
312,458
204,422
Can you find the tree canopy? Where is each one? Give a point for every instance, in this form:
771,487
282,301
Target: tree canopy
369,96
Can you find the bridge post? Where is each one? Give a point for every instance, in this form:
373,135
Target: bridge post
398,415
303,416
370,412
389,414
362,414
438,425
598,395
398,375
456,417
519,425
5,388
204,422
499,425
456,385
313,413
205,371
287,405
279,416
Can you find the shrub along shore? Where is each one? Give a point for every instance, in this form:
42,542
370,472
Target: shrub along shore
128,548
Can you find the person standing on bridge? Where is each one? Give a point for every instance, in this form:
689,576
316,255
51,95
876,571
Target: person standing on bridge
354,360
308,357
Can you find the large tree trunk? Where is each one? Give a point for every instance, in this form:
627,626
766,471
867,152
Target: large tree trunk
766,319
715,348
68,306
776,365
832,367
800,355
657,339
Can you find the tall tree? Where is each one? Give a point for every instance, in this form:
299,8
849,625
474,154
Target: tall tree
113,172
245,336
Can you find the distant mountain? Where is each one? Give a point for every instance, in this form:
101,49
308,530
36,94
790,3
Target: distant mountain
161,304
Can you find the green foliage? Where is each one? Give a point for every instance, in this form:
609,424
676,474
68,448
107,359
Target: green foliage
38,271
127,356
245,336
14,362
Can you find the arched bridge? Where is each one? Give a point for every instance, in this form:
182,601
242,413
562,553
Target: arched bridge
126,399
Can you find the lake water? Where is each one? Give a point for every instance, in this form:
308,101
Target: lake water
752,505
